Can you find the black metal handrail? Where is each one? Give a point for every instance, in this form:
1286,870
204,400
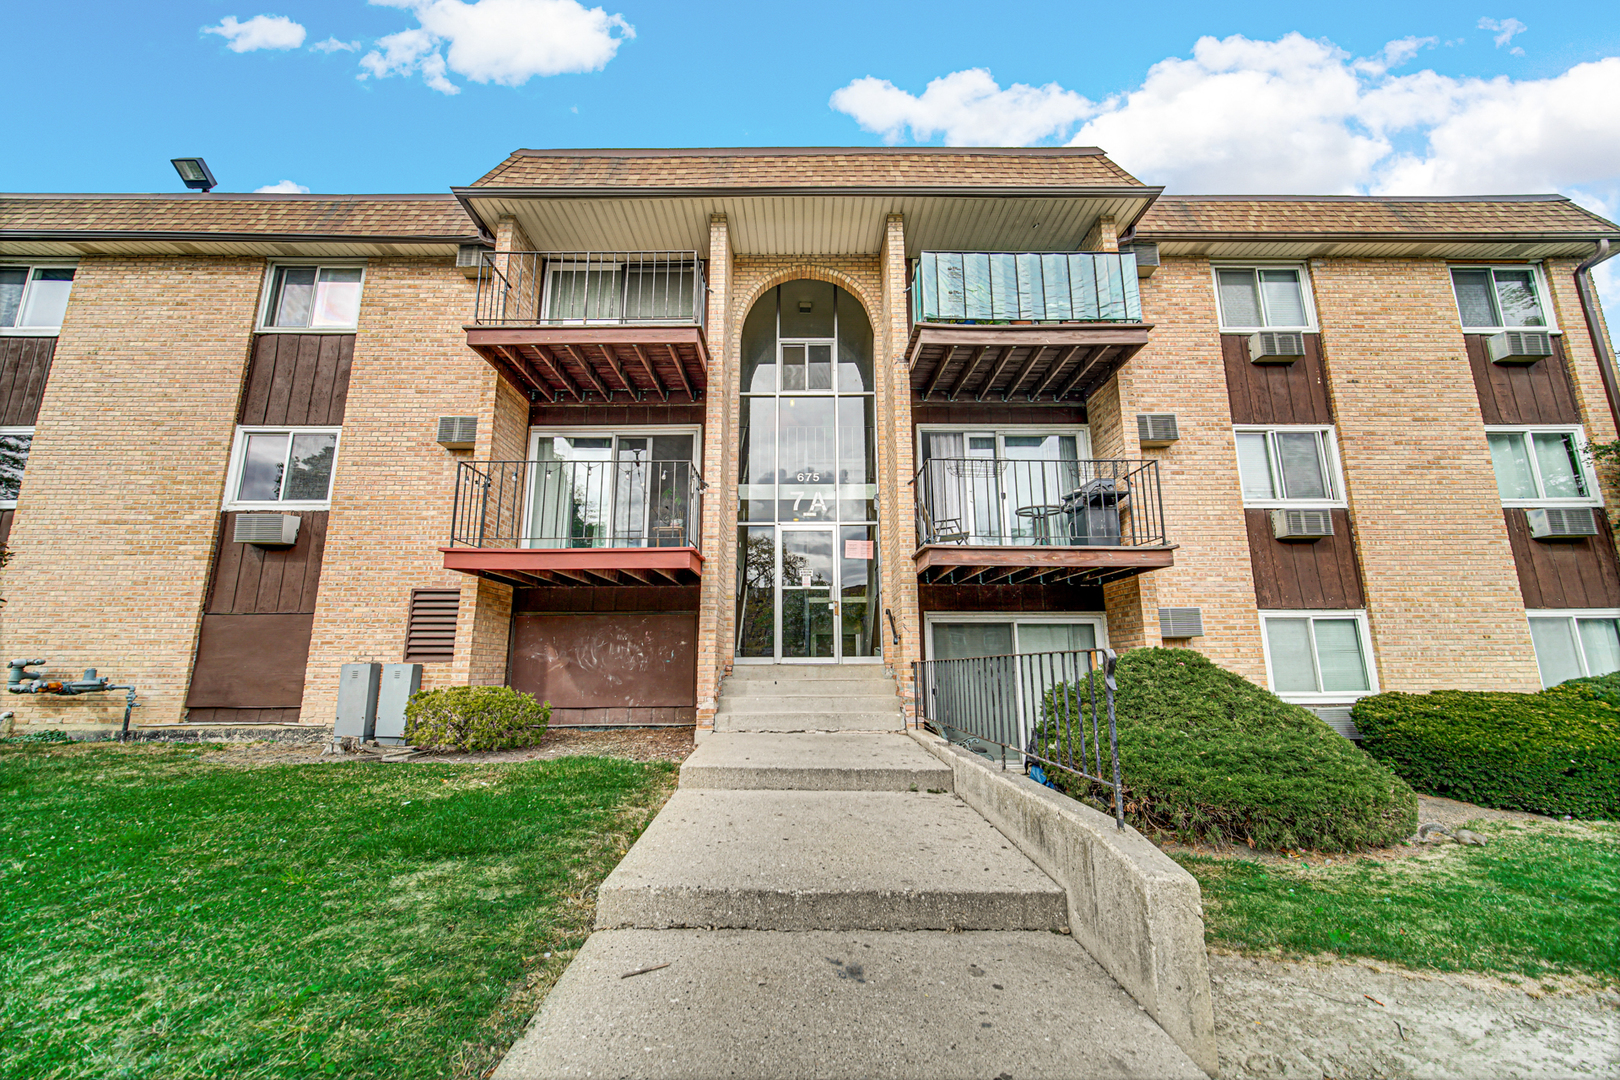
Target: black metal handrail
1111,502
1035,706
625,502
590,288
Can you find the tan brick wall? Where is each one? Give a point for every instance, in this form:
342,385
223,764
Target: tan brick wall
897,453
115,526
718,540
1181,372
393,488
1133,617
1442,593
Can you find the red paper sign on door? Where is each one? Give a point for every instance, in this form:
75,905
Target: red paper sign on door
858,549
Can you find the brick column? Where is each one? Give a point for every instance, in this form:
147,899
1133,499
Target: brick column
1133,614
1442,592
719,470
897,455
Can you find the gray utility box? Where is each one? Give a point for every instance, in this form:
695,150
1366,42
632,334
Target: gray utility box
399,682
357,701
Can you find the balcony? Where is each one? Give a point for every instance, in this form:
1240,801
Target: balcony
594,326
603,522
986,521
1031,326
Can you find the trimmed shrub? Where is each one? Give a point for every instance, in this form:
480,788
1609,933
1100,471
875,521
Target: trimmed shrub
475,718
1556,752
1207,754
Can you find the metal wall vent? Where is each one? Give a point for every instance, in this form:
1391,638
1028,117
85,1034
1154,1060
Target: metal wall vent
1180,622
458,432
469,257
1147,257
1562,522
1519,346
430,626
1156,429
1301,524
1276,346
266,530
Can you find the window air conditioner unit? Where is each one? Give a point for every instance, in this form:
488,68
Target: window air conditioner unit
1276,346
1147,257
458,432
1519,346
469,257
266,530
1156,429
1180,622
1301,524
1562,522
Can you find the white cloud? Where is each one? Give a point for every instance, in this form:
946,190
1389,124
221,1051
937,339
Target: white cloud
259,32
282,187
1505,29
332,45
967,107
500,41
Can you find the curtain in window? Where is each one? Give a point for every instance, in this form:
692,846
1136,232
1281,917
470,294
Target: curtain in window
945,488
1475,303
1285,302
580,293
1293,669
1240,301
1600,638
1304,471
1339,658
1514,479
1254,466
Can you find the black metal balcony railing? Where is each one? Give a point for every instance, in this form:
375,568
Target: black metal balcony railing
1046,709
1010,503
984,286
577,504
590,288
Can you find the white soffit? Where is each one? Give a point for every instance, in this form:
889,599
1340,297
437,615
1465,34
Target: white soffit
808,224
1373,247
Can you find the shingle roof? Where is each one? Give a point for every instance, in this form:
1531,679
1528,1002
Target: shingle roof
405,217
1323,216
809,167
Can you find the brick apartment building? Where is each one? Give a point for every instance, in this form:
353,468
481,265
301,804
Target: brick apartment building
606,423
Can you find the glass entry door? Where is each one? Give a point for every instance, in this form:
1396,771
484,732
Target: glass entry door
807,608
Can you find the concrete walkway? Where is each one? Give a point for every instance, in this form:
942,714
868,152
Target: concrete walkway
824,906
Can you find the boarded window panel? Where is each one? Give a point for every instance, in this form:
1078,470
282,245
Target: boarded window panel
430,631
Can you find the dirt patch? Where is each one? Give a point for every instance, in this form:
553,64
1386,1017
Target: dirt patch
1359,1019
636,744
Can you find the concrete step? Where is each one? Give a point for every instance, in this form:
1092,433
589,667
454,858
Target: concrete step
834,860
760,701
788,672
813,762
840,1005
726,720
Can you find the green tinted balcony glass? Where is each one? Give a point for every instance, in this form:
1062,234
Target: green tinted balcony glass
992,287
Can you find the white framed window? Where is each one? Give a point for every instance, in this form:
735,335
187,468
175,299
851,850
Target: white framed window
1575,644
1295,465
1264,298
1495,298
1542,466
613,487
952,635
308,296
1318,656
14,446
34,297
1005,485
282,468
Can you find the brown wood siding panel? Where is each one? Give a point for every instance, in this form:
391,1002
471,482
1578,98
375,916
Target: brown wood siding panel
995,414
614,415
252,579
25,365
250,662
1538,393
242,717
298,380
1275,393
1087,598
1303,575
599,661
605,598
1564,573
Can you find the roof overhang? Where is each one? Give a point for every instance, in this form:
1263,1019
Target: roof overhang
964,565
1457,246
528,567
808,220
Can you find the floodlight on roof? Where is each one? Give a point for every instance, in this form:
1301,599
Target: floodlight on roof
194,171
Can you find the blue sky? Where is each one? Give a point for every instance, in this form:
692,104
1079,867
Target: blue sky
417,95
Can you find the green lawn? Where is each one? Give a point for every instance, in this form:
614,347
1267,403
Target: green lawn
161,916
1534,900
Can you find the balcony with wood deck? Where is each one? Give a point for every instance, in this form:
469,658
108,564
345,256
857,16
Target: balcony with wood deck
995,521
1037,327
621,521
588,327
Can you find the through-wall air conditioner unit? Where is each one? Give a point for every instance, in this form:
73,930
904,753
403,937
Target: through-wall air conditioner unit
1180,622
1156,429
458,432
266,530
1519,346
1147,257
1301,524
1562,522
469,257
1276,347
